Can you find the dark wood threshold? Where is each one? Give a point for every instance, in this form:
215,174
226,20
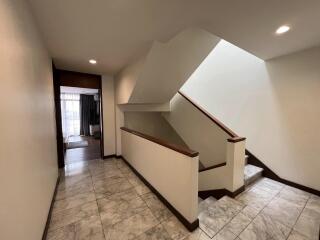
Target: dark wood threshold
219,193
212,167
109,156
164,143
190,226
46,228
212,118
267,172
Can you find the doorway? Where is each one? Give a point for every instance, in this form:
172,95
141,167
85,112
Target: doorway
78,103
80,115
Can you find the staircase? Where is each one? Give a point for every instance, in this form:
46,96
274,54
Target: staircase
251,173
214,214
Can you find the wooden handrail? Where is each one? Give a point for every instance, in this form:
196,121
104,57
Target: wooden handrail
212,167
164,143
212,118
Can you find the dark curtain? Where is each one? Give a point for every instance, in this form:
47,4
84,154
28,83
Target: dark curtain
88,113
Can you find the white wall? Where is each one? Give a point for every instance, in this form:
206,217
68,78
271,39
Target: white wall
127,79
153,124
198,131
172,174
109,135
168,65
28,153
275,104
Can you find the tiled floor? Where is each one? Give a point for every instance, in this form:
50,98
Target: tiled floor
266,210
103,199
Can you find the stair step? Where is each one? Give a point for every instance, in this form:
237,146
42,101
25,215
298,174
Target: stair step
251,174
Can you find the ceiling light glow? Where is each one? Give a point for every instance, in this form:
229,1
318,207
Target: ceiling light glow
283,29
92,61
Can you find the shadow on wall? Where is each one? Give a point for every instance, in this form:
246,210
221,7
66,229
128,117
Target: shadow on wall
275,104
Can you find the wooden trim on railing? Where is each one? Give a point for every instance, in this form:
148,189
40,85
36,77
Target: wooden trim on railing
212,167
164,143
236,139
212,118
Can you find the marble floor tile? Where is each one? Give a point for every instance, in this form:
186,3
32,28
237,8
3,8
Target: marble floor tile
75,169
238,224
250,212
264,227
126,170
294,195
112,200
159,210
103,169
88,228
106,174
175,228
208,231
308,224
294,235
225,234
269,185
314,203
203,205
101,183
283,211
142,189
156,233
132,227
74,201
197,234
68,216
74,190
255,198
107,189
81,179
134,180
123,210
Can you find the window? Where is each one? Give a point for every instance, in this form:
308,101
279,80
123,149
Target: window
70,114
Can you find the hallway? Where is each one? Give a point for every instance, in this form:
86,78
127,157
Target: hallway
104,199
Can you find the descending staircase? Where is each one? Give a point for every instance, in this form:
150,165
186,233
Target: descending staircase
251,173
214,214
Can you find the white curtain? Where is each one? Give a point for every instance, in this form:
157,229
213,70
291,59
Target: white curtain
70,114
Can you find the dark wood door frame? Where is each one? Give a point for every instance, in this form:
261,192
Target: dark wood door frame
74,79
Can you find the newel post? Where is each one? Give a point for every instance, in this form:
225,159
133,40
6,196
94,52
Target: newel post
236,160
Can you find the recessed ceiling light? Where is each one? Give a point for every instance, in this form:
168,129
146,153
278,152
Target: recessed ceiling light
92,61
283,29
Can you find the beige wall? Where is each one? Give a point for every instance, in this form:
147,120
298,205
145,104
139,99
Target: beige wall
198,131
127,79
152,124
108,115
168,65
275,104
172,174
28,153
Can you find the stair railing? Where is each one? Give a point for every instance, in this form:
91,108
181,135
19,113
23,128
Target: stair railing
230,173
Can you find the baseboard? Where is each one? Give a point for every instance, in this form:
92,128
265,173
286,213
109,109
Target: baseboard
109,156
267,172
219,193
190,226
45,232
119,156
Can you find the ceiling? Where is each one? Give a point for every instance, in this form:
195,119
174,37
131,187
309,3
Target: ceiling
117,32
